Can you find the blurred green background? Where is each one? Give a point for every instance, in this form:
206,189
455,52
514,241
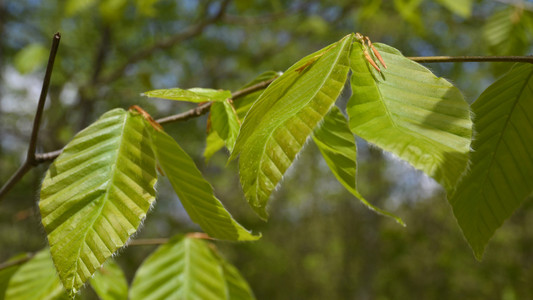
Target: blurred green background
320,242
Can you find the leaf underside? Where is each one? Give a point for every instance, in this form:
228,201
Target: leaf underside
96,194
196,95
194,192
411,113
501,163
337,145
184,268
225,122
280,121
36,279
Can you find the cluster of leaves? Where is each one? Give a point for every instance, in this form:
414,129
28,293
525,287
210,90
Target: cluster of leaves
97,193
186,267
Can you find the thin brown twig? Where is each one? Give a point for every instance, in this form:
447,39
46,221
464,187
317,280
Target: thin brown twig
448,59
31,160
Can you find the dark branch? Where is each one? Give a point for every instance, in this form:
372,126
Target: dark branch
31,160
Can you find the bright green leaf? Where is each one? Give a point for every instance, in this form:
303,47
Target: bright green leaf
337,145
29,58
109,282
96,194
213,143
411,113
242,105
462,8
196,95
36,279
280,121
501,162
184,268
225,122
194,192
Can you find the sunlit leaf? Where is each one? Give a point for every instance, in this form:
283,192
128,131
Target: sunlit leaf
462,8
194,192
242,105
109,282
36,279
196,95
507,30
225,122
337,145
96,194
184,268
501,162
30,58
280,121
411,113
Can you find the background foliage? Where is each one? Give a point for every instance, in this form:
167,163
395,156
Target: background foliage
320,241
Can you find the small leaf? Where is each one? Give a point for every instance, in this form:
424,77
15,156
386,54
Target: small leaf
411,113
194,192
184,268
501,162
214,143
30,58
109,282
337,145
225,122
280,121
96,194
196,95
36,279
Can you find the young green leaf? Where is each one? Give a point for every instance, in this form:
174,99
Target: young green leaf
109,282
184,268
280,121
411,113
36,279
225,122
196,95
214,143
96,194
238,288
194,192
337,145
501,162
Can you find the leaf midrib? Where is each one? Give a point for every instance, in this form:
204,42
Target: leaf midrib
269,136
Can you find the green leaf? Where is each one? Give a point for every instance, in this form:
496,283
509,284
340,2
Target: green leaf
213,144
184,268
73,7
238,288
337,145
109,282
507,31
194,192
7,273
501,162
462,8
96,194
280,121
411,113
36,279
29,58
242,105
196,95
146,7
225,122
